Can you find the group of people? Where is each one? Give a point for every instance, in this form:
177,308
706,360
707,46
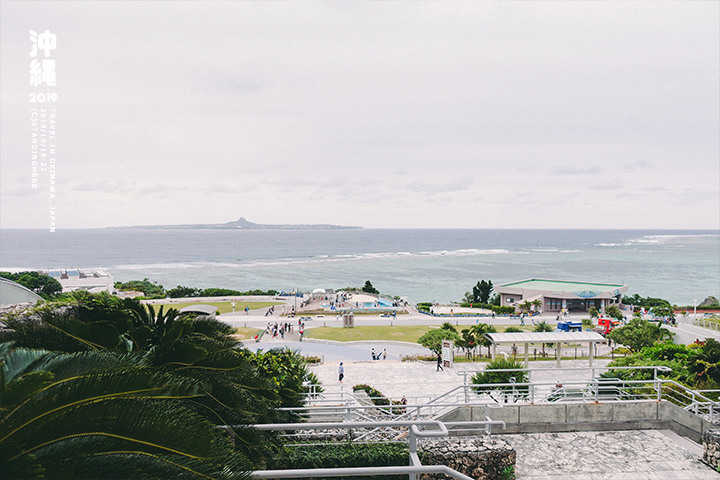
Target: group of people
376,356
278,329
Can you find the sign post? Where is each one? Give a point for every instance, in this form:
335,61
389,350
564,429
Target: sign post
447,353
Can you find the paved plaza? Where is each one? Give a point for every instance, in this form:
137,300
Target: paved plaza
613,455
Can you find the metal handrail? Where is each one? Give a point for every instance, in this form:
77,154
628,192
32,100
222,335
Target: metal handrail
413,470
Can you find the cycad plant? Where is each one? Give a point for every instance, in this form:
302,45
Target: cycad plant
102,415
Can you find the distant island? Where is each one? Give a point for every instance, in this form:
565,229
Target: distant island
242,224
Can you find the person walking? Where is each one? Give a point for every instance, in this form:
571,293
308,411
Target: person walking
439,364
384,354
341,372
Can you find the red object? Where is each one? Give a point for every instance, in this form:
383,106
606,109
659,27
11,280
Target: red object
608,324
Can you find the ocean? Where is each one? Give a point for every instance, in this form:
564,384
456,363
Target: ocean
418,264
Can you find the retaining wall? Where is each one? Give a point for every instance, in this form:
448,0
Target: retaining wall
711,455
568,417
479,458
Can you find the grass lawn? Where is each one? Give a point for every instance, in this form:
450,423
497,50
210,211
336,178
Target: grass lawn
405,333
409,333
243,333
223,307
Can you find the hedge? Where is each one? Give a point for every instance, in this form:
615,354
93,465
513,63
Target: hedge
344,455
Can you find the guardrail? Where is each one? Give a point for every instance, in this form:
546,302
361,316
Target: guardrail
345,405
413,429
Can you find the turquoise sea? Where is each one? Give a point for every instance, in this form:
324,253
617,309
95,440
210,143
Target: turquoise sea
422,265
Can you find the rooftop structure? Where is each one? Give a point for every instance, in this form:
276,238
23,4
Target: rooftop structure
557,295
12,293
525,338
93,281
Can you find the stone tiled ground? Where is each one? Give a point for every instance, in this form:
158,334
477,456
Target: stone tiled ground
628,455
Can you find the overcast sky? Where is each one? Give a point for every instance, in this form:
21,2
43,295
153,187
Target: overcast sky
380,114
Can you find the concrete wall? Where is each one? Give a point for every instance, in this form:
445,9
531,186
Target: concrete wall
567,417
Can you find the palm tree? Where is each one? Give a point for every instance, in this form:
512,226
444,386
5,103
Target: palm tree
537,304
480,330
543,327
100,415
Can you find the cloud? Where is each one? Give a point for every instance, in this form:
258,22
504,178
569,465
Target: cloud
573,170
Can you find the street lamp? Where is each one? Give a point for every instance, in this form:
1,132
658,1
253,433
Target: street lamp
695,307
233,303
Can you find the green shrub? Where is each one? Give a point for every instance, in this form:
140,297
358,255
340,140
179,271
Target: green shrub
375,395
501,310
343,455
489,376
513,329
424,306
149,289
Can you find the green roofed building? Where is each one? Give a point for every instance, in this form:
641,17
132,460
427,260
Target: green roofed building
556,295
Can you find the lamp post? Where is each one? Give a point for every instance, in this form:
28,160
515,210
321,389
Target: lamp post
695,307
233,305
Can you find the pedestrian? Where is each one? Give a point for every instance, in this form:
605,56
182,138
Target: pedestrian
439,364
247,310
373,354
341,372
384,354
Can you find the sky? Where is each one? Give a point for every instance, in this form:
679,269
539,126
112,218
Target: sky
380,114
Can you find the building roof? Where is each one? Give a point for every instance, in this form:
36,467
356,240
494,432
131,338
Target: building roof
544,337
12,293
559,287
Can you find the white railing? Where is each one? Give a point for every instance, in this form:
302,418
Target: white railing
415,429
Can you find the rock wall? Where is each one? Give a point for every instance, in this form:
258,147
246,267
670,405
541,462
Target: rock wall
480,457
711,442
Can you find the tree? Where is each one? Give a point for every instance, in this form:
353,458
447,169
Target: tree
638,334
665,312
480,330
149,289
543,327
537,304
613,311
368,288
467,342
489,376
704,364
648,302
183,292
482,291
527,305
433,339
593,312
